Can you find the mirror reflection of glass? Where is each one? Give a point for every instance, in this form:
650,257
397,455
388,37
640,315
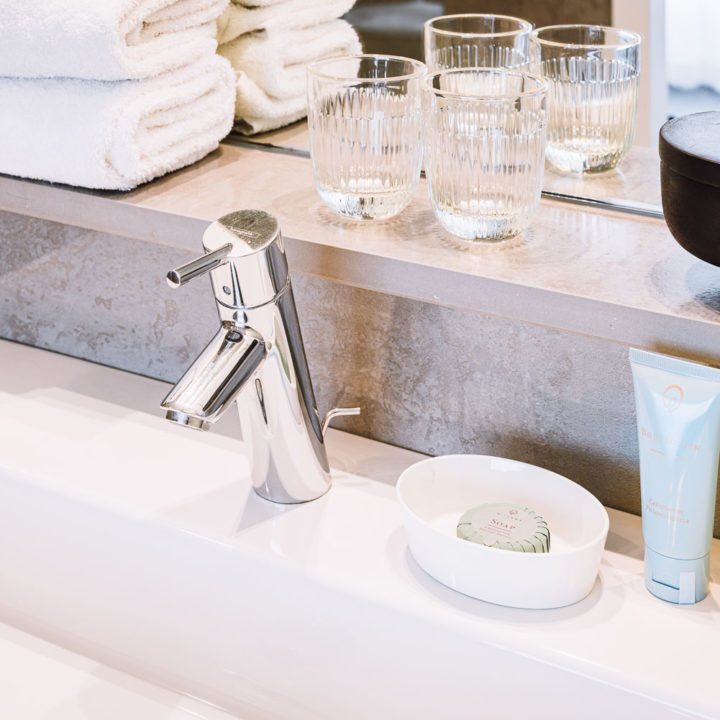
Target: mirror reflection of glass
593,74
477,40
634,183
680,74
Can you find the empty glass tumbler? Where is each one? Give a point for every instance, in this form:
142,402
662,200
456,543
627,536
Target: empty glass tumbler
474,40
593,75
484,149
365,121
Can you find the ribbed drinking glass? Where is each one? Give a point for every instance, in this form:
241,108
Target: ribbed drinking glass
365,121
484,143
475,40
593,75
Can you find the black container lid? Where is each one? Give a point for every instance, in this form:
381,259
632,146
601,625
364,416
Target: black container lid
690,145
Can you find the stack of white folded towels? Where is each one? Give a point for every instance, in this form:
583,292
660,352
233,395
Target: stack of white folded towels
110,93
270,43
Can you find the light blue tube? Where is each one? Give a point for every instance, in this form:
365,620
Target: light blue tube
678,419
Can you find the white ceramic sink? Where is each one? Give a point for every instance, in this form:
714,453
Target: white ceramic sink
41,681
141,545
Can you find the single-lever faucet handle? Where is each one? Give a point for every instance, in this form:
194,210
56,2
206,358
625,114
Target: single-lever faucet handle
199,266
337,412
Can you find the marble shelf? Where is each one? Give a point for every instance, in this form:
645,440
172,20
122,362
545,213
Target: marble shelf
607,275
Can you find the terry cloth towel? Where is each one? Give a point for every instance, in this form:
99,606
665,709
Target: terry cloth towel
104,39
238,19
271,71
276,62
114,135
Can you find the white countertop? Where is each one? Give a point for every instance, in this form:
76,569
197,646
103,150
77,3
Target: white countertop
656,659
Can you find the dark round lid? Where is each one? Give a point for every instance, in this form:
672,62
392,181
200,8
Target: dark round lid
690,145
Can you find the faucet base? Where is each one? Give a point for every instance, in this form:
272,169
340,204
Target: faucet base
289,501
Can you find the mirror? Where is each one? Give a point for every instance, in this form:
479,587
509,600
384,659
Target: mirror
680,74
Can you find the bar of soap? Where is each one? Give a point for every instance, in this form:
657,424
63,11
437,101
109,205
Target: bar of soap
505,527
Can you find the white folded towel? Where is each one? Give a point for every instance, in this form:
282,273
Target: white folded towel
276,61
104,39
271,71
255,112
238,19
114,135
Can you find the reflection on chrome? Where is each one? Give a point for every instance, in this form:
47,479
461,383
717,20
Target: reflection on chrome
259,339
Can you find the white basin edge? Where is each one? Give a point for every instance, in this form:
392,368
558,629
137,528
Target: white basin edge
51,682
350,544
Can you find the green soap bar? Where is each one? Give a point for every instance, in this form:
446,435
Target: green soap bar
505,527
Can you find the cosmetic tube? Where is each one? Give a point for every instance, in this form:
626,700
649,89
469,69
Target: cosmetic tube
678,420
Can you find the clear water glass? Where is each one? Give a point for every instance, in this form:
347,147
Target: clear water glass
476,40
484,137
593,75
365,121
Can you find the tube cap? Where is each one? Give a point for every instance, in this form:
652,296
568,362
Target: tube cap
678,581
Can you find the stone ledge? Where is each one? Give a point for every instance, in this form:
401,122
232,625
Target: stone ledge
606,275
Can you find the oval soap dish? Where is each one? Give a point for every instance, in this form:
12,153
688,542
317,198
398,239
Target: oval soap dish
435,493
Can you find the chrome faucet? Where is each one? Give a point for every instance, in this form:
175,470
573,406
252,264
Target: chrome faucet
256,358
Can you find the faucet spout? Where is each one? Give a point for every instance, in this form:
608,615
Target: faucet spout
214,380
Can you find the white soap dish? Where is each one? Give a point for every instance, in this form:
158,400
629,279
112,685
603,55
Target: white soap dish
434,493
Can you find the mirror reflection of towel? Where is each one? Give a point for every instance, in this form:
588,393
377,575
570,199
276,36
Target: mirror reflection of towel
277,15
270,70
